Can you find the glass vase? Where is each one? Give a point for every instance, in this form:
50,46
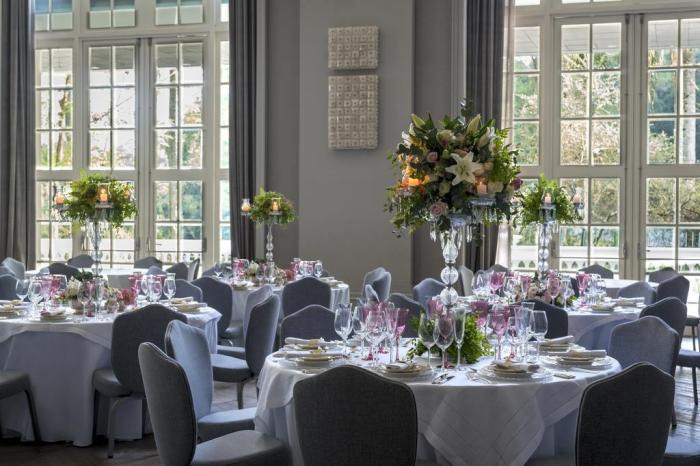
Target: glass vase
451,242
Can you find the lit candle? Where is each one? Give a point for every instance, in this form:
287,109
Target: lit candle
59,199
577,198
275,206
245,206
104,196
547,198
481,188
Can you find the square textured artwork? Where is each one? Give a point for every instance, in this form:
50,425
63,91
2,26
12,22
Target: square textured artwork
353,48
353,112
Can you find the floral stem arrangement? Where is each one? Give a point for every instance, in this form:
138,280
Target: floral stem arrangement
272,207
474,345
89,191
531,203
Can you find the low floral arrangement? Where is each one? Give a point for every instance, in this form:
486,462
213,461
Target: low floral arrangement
531,203
85,195
270,206
538,289
443,167
282,276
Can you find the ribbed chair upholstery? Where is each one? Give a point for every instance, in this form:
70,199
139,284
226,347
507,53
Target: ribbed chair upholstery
382,286
557,319
193,270
498,268
340,427
677,286
662,274
402,301
670,310
649,340
599,270
426,289
171,407
15,267
466,277
259,344
16,382
185,289
188,346
81,261
638,290
218,295
314,321
155,270
123,380
180,270
8,287
146,262
370,277
304,292
253,299
58,268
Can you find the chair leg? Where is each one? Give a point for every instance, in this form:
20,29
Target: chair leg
144,415
95,414
693,334
674,421
32,414
239,394
110,425
695,388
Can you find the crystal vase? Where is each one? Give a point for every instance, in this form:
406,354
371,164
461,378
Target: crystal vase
451,242
544,237
269,258
94,233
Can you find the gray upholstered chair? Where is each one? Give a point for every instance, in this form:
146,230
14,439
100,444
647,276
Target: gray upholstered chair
662,274
638,290
599,270
210,272
146,262
15,267
414,309
185,289
498,268
670,310
218,295
337,419
188,346
314,321
8,287
180,270
81,261
690,358
193,270
253,299
681,452
557,319
466,277
58,268
426,289
648,339
123,380
301,293
381,286
370,277
16,382
677,286
155,270
259,344
170,405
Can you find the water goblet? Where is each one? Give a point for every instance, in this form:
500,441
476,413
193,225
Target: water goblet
497,323
480,283
496,282
22,288
343,324
375,323
566,292
359,327
444,334
169,288
318,269
460,317
155,290
85,297
390,315
426,327
401,320
553,288
34,294
538,326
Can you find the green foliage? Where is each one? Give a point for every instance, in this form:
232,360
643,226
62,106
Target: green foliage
532,200
80,203
261,208
475,343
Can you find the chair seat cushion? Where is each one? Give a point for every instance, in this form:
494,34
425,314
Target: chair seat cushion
13,382
689,358
107,384
234,331
233,351
681,452
692,321
246,447
228,369
218,424
552,461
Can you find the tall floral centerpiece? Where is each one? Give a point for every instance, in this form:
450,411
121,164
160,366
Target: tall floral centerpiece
453,175
269,208
95,202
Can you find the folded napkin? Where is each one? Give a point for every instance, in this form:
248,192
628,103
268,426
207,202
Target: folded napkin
183,300
603,307
291,354
189,306
303,342
558,341
47,313
585,354
510,366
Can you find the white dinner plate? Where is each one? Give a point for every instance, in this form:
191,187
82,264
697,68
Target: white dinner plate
538,375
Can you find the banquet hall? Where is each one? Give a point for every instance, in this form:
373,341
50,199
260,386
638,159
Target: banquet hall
349,232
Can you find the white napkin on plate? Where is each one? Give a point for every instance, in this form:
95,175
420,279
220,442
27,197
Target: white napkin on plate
584,354
508,365
558,341
303,342
290,354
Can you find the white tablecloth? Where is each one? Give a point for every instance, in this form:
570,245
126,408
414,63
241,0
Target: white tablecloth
61,359
592,329
613,285
117,278
462,422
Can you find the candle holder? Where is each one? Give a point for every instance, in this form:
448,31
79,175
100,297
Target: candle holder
102,193
245,207
546,229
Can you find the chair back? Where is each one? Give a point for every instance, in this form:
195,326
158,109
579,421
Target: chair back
8,287
369,277
355,417
146,262
218,295
169,406
262,329
662,274
58,268
574,286
426,289
402,301
188,346
180,270
155,270
253,299
15,267
81,261
5,271
193,270
670,310
623,419
598,269
466,277
314,321
301,293
381,286
498,268
210,272
557,319
638,290
677,286
184,289
129,330
649,340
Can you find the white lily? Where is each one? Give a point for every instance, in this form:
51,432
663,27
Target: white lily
464,169
473,124
487,136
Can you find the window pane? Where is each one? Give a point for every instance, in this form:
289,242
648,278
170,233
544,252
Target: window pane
223,154
526,96
661,141
192,68
224,208
574,142
191,12
62,68
191,105
661,243
191,200
574,47
605,141
527,49
663,43
100,108
62,109
662,92
605,200
606,45
661,200
124,70
62,150
605,94
166,149
166,64
526,139
166,200
224,61
191,150
43,149
690,41
574,95
100,149
689,149
689,200
124,107
124,149
166,12
580,186
166,106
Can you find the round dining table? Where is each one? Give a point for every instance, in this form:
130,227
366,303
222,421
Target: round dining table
592,329
465,421
116,278
60,358
613,285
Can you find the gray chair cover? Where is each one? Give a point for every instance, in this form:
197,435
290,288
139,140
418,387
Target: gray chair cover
57,268
218,295
638,290
381,286
8,287
414,309
15,267
426,289
677,286
314,321
180,270
184,289
623,419
649,340
557,319
16,382
254,298
193,270
662,275
497,268
262,330
147,262
598,269
341,427
210,272
301,293
466,277
82,261
670,310
155,270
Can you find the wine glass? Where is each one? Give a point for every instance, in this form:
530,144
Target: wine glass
308,268
553,288
480,283
426,327
343,324
144,285
512,335
46,284
22,288
509,288
602,289
538,326
85,297
390,315
98,292
525,282
260,274
169,287
444,334
155,290
34,294
566,291
460,316
60,282
496,282
401,320
497,323
375,324
318,269
359,327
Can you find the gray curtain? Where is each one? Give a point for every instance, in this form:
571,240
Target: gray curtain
242,46
17,163
484,88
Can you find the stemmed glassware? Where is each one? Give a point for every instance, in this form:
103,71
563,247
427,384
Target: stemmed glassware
480,284
538,328
34,293
512,335
169,288
376,331
145,286
61,282
343,324
401,319
444,334
390,315
155,290
525,282
46,284
460,316
318,269
496,282
566,292
426,328
497,323
22,288
359,327
509,288
98,292
602,289
85,297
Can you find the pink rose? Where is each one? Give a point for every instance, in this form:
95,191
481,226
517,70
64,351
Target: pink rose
516,183
433,157
438,209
